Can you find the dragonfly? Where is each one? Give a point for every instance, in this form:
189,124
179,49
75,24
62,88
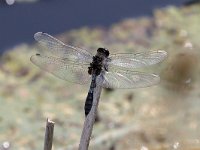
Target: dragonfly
103,69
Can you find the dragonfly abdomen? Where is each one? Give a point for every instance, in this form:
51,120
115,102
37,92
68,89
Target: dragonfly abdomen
88,103
89,99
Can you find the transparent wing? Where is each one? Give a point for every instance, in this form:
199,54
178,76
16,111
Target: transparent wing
56,48
137,60
62,69
127,79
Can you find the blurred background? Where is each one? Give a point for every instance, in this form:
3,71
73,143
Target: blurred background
161,117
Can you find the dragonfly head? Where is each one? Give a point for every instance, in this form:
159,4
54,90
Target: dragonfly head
103,51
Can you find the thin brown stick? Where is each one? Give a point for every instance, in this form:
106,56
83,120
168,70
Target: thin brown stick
48,135
89,121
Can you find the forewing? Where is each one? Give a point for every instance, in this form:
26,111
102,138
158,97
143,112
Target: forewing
62,69
56,48
137,60
128,79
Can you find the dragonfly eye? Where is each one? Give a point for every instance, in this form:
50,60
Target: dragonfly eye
103,51
107,52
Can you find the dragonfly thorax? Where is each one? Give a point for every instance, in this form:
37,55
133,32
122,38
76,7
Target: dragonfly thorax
97,61
95,66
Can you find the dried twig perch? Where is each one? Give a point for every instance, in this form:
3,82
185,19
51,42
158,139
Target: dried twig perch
89,121
48,135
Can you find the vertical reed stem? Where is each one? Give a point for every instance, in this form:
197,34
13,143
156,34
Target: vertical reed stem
89,121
